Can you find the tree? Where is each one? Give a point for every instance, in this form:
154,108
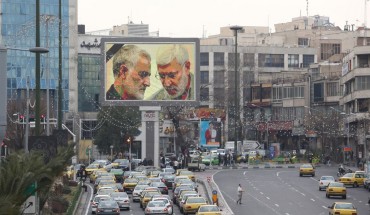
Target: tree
116,122
19,171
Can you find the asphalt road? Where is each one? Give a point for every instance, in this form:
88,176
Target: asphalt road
283,192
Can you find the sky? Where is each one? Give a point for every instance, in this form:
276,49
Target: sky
198,18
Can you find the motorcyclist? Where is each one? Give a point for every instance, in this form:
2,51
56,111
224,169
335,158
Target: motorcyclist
341,169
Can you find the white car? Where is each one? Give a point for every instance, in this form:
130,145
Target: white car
96,200
324,181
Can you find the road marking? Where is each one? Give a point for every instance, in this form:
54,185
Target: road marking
286,213
276,205
267,197
244,172
91,195
326,207
261,193
313,200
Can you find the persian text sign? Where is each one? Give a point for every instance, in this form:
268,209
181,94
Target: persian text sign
149,116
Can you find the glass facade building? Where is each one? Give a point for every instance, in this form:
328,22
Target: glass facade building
18,31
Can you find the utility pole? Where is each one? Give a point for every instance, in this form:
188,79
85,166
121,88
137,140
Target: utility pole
37,70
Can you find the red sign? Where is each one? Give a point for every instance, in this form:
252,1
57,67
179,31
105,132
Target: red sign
347,149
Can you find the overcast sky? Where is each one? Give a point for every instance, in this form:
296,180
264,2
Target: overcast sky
188,18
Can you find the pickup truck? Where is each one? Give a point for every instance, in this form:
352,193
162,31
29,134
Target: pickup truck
196,164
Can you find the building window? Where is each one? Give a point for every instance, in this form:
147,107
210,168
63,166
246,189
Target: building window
332,89
303,41
231,60
328,50
363,105
277,93
363,83
299,92
219,59
204,58
318,92
293,61
88,129
219,78
248,59
288,92
271,60
266,93
307,60
256,93
204,94
204,77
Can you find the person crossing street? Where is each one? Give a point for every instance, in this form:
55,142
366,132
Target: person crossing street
240,194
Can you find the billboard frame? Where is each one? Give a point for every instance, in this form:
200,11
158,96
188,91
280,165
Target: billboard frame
149,41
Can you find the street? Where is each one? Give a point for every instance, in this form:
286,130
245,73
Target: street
283,192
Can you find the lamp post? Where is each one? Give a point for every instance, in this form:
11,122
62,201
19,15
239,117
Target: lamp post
236,28
111,152
129,152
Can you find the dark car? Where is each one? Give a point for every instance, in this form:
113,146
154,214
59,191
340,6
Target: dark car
168,180
162,187
108,207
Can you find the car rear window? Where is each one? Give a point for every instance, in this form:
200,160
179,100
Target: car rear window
344,206
196,200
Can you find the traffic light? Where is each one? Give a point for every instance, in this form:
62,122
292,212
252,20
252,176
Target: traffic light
20,118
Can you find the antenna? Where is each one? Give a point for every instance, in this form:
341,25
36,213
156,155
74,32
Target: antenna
307,7
203,32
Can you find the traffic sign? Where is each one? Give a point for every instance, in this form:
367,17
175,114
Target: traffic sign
88,150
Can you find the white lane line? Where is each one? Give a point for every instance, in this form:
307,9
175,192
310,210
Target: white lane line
244,173
326,207
313,200
267,197
286,213
261,193
226,205
91,195
276,205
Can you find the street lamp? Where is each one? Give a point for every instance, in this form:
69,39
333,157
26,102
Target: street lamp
129,152
111,152
236,28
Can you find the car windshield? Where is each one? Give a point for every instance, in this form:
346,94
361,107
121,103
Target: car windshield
107,204
210,208
119,194
168,176
141,187
130,180
329,178
186,173
344,206
349,175
336,184
156,204
306,166
196,200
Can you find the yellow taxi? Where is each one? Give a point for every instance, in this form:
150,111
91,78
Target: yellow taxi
179,170
95,174
129,184
336,189
69,172
192,204
146,196
354,179
208,210
342,208
188,173
92,167
306,169
153,174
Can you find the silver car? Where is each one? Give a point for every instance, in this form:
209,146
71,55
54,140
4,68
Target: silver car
122,199
156,207
137,192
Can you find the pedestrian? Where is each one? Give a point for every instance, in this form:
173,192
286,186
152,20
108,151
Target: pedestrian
240,194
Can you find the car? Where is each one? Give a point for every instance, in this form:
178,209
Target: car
169,170
185,197
192,204
208,210
108,207
210,160
162,186
156,207
168,180
367,182
137,192
342,208
306,169
96,200
354,179
92,167
122,199
336,189
118,173
166,200
129,184
324,181
177,191
106,191
181,194
146,196
188,173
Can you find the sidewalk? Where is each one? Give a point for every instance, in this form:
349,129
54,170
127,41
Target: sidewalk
84,200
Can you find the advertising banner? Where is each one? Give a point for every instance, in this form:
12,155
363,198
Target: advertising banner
210,133
150,71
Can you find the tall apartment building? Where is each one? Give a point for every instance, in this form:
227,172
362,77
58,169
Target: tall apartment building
18,34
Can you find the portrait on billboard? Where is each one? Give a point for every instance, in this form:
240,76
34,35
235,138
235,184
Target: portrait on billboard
155,71
210,133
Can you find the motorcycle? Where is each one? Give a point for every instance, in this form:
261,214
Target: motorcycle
342,171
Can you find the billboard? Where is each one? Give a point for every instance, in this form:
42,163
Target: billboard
210,133
150,71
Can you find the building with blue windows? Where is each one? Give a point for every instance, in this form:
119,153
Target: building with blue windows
18,35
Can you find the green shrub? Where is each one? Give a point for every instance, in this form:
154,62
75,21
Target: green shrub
66,190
